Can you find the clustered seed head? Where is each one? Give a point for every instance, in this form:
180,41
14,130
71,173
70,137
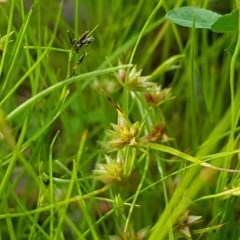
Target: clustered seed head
157,134
134,80
123,134
110,172
184,222
158,96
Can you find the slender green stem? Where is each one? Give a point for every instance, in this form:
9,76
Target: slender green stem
51,186
138,190
126,90
62,84
230,145
232,76
155,10
17,49
193,89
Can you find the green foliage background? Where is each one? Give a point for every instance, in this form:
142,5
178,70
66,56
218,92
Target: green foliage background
51,123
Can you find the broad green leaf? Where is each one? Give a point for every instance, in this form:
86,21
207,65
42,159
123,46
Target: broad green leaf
185,16
226,23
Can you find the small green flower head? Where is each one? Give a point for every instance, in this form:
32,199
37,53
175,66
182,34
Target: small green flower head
134,80
131,234
110,172
157,134
158,96
184,222
123,134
